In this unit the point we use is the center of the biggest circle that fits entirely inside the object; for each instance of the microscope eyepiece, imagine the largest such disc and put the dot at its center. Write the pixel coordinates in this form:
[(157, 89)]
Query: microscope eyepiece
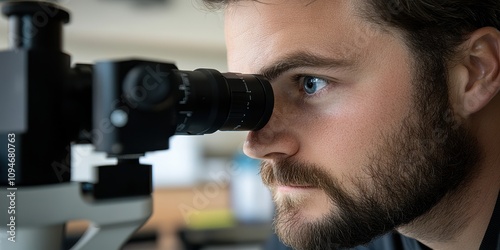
[(211, 101)]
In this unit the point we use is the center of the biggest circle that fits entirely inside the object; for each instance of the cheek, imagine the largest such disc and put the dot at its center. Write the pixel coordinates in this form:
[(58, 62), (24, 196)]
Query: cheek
[(344, 134), (339, 143)]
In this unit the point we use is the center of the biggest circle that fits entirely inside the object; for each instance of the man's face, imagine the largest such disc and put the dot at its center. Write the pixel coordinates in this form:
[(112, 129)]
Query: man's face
[(346, 152)]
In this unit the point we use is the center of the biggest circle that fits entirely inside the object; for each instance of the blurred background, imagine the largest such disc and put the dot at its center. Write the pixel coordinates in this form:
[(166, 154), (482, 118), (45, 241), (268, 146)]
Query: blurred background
[(207, 194)]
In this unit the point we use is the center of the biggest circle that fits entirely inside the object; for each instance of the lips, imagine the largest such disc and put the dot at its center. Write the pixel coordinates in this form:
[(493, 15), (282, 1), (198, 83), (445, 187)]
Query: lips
[(290, 186), (297, 185)]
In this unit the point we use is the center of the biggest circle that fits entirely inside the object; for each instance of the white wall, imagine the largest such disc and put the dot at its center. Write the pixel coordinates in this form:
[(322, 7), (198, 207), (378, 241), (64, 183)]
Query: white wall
[(182, 31)]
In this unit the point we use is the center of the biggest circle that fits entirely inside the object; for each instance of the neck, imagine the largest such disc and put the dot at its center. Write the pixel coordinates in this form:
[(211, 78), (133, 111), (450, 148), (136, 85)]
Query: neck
[(460, 219)]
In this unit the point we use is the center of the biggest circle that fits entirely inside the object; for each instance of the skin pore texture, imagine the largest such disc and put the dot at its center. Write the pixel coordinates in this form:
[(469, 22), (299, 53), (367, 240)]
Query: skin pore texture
[(355, 148)]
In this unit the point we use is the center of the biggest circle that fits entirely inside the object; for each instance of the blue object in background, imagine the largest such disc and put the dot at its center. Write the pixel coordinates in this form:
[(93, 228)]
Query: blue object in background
[(250, 199)]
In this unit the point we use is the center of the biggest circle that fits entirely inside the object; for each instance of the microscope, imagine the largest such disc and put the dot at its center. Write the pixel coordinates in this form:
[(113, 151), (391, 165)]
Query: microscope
[(123, 108)]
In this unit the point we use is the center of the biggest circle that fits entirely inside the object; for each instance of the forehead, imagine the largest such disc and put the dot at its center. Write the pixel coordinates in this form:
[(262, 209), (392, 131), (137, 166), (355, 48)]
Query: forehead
[(258, 32)]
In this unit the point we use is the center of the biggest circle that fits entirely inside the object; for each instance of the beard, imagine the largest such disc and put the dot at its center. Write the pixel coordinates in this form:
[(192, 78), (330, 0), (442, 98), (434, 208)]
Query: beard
[(429, 157)]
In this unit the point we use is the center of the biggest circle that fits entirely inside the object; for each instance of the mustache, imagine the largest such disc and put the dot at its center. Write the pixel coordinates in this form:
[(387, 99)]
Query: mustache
[(292, 172)]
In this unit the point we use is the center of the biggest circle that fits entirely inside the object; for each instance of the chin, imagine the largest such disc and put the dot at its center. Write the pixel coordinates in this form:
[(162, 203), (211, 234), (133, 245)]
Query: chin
[(304, 208)]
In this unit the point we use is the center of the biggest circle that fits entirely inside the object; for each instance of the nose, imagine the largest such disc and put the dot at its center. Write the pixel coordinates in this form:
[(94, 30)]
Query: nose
[(276, 139)]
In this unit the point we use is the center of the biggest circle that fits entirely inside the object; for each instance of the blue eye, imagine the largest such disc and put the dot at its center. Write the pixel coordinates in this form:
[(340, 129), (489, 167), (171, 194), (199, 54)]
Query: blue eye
[(313, 84)]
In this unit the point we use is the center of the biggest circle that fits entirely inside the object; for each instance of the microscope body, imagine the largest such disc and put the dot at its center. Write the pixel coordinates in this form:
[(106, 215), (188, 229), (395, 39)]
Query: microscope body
[(123, 108)]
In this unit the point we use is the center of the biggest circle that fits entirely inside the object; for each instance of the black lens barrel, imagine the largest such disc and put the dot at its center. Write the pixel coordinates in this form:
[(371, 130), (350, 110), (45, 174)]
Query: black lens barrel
[(252, 102), (212, 101)]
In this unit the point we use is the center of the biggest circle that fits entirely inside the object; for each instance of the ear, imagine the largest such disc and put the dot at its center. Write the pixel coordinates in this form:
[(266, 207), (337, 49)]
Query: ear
[(482, 63), (481, 81)]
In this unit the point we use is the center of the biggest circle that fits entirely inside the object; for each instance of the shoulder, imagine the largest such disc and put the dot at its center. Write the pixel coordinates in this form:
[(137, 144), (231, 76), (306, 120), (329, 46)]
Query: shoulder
[(390, 241)]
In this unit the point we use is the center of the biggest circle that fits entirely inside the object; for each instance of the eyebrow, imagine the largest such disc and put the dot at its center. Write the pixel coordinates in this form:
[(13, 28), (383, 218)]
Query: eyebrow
[(299, 60)]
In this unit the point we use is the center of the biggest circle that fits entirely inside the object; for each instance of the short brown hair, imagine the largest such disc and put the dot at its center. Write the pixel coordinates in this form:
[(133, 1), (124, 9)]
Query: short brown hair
[(433, 30), (435, 26)]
